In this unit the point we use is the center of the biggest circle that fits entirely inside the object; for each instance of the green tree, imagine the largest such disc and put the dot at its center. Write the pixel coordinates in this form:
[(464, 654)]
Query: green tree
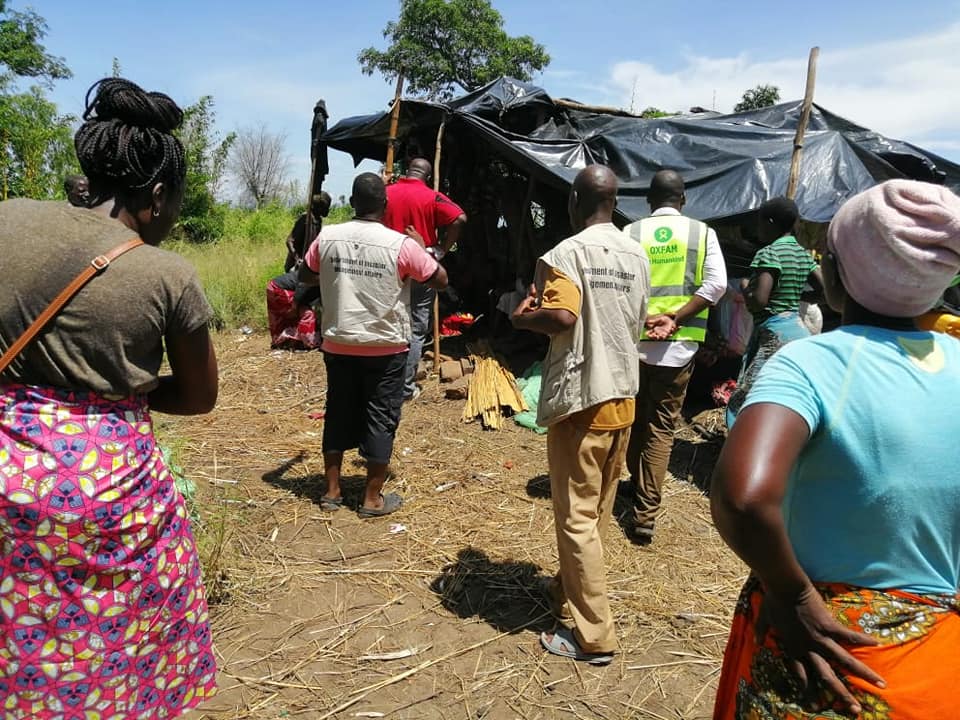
[(440, 45), (758, 97), (652, 113), (21, 50), (202, 217), (36, 145)]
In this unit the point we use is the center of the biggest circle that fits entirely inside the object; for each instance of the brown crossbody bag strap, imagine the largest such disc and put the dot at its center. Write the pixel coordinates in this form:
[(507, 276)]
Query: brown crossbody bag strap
[(96, 266)]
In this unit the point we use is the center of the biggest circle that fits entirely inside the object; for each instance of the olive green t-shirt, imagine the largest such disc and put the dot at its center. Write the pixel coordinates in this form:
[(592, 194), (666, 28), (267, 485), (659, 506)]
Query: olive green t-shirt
[(109, 338)]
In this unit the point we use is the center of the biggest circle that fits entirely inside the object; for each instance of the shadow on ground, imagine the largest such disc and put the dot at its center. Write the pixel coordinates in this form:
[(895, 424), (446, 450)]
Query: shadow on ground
[(313, 487), (690, 462), (693, 462), (539, 487), (507, 594)]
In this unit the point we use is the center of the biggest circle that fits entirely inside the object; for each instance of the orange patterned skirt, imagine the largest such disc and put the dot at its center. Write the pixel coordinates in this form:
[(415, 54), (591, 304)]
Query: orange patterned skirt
[(918, 657)]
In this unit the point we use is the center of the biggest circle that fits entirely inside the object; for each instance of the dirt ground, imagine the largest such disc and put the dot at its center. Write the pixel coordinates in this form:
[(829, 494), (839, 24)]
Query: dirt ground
[(321, 615)]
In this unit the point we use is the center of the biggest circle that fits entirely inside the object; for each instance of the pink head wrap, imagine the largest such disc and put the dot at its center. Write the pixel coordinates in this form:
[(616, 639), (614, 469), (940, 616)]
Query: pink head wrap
[(898, 246)]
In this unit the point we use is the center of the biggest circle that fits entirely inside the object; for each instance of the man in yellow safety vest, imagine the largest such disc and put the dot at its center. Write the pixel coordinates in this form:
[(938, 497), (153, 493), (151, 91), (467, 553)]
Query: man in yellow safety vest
[(687, 276)]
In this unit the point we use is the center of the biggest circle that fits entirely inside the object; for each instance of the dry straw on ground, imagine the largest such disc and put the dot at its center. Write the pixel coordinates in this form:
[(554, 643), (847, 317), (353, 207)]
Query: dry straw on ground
[(434, 611)]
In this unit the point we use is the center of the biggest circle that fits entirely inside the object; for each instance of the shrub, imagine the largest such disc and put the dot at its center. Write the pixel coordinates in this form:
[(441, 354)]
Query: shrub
[(236, 268), (203, 228), (269, 224), (339, 214)]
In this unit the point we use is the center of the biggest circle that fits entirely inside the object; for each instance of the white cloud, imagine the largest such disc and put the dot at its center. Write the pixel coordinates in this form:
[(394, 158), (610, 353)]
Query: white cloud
[(905, 88)]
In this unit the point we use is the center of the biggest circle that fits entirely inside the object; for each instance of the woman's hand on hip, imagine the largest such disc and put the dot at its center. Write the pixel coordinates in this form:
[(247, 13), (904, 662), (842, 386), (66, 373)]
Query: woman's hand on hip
[(814, 641)]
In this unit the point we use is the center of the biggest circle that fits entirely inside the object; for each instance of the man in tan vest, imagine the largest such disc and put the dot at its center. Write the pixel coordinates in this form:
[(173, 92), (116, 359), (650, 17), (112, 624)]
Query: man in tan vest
[(590, 297), (365, 270)]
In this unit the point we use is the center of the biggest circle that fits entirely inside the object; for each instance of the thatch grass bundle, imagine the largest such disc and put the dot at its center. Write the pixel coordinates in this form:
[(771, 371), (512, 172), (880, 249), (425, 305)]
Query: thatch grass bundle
[(493, 391)]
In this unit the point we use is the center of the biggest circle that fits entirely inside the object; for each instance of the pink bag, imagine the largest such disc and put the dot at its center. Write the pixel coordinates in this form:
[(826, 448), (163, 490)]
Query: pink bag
[(736, 322)]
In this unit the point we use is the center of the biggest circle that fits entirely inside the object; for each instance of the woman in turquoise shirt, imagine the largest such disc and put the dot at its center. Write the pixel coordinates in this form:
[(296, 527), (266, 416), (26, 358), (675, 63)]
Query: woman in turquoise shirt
[(838, 486)]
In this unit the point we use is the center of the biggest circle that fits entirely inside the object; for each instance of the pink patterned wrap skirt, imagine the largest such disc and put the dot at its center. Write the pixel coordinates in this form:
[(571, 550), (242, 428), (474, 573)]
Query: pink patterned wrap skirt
[(102, 609)]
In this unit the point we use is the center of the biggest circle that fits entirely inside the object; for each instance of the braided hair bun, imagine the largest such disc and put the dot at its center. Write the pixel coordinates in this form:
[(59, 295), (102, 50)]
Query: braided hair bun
[(126, 142)]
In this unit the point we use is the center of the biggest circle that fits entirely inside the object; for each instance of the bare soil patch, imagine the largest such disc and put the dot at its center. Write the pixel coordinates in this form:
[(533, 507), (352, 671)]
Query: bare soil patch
[(323, 614)]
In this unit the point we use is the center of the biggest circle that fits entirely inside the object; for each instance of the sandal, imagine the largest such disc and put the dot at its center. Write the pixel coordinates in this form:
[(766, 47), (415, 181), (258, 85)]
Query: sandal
[(563, 643), (331, 504), (391, 503)]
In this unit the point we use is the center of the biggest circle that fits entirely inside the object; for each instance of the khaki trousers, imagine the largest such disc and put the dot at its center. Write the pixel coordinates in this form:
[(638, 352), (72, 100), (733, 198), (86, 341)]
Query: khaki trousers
[(585, 468), (659, 401)]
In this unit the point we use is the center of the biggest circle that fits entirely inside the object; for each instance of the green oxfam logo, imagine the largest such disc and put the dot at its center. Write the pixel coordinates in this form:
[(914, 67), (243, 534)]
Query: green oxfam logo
[(663, 234)]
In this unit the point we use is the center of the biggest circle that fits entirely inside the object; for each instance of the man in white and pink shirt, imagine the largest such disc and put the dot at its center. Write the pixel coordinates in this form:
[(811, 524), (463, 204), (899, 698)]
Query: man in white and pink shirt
[(365, 271)]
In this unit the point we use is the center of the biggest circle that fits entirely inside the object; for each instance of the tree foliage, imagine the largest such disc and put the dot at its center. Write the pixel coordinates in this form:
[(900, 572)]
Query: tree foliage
[(651, 113), (260, 165), (21, 50), (758, 97), (440, 45), (36, 145), (202, 218)]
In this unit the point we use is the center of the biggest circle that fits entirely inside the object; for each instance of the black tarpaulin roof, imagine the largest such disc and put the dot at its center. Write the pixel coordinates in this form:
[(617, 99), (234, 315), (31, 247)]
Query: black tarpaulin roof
[(730, 163)]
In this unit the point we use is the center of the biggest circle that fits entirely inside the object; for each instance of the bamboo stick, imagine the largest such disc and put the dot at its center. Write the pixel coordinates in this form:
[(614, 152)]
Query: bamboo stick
[(436, 297), (802, 124), (394, 124), (601, 109)]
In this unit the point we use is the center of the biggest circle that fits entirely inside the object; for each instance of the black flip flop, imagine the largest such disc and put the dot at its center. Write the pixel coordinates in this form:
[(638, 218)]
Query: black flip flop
[(391, 503), (331, 504)]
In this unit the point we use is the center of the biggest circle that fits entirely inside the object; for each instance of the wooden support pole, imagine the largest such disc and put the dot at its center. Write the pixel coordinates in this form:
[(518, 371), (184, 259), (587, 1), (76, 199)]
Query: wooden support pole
[(308, 230), (436, 298), (394, 124), (601, 109), (802, 124)]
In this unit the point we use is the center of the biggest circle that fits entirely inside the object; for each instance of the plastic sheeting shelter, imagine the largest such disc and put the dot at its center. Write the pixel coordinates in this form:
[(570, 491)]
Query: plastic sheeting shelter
[(730, 163)]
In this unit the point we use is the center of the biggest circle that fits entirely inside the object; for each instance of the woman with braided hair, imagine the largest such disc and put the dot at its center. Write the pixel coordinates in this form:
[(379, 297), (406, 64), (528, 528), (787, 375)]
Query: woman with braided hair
[(102, 610)]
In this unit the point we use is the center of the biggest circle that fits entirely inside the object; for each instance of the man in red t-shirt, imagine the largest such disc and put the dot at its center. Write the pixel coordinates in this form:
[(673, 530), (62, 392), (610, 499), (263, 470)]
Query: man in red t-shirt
[(411, 203)]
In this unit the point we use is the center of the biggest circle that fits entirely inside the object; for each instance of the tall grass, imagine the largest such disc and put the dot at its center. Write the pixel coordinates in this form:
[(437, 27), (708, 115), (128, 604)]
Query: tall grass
[(213, 519), (236, 268), (234, 271)]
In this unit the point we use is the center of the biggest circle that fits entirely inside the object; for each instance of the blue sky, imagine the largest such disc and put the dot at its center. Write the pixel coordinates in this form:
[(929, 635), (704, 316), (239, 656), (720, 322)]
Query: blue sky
[(884, 64)]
